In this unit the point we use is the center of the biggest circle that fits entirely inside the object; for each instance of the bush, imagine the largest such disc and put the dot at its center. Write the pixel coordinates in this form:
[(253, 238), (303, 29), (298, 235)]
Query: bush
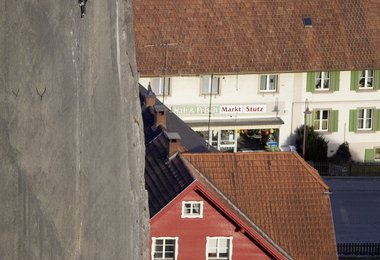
[(343, 154), (316, 145)]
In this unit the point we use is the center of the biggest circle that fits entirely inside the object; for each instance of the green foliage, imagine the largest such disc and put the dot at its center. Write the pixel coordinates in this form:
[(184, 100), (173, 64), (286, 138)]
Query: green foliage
[(316, 145)]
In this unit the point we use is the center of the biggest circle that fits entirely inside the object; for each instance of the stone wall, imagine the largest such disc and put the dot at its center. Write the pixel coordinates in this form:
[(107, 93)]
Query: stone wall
[(71, 141)]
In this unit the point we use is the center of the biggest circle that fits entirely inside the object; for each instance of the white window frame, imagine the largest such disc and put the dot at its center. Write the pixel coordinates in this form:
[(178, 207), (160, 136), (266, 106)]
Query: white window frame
[(365, 78), (268, 83), (365, 119), (376, 151), (321, 120), (192, 214), (218, 257), (154, 239), (321, 78), (158, 86), (210, 89)]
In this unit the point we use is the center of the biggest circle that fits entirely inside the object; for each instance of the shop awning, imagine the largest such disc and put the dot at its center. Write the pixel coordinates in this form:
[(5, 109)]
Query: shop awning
[(249, 121)]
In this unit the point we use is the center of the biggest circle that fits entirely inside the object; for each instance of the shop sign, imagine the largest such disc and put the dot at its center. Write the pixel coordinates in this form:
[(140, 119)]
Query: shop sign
[(250, 109), (194, 109), (219, 109)]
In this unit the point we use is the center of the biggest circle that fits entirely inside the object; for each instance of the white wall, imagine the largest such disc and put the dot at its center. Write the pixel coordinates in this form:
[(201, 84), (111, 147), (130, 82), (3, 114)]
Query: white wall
[(342, 100), (234, 90)]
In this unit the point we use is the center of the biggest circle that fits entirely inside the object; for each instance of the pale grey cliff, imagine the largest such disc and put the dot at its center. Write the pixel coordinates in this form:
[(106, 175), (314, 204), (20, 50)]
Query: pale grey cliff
[(71, 144)]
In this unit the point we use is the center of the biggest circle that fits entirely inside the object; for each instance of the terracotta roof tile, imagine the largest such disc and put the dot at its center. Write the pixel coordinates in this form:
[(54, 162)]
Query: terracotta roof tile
[(227, 36), (282, 194)]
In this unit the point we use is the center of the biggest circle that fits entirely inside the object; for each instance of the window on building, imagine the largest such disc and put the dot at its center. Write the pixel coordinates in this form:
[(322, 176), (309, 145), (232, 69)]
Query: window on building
[(366, 79), (365, 119), (210, 85), (268, 83), (219, 248), (165, 248), (321, 120), (322, 80), (192, 209), (161, 86), (377, 153)]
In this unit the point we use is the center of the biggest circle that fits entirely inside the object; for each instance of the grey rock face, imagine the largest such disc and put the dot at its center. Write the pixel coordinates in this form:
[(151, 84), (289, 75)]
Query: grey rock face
[(71, 144)]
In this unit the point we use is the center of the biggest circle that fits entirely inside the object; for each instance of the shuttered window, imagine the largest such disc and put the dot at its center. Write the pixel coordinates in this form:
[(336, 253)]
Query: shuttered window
[(322, 81), (365, 79), (325, 120), (364, 119)]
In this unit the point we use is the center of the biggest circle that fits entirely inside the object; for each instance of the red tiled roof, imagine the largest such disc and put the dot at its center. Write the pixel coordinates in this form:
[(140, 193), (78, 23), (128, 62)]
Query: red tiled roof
[(236, 36), (280, 193)]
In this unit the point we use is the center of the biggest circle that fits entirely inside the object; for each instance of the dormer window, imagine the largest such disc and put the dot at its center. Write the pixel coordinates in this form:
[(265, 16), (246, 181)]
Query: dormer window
[(192, 209)]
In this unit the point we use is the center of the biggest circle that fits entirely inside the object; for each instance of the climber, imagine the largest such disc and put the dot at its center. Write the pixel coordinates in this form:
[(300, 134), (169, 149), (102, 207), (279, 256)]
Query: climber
[(82, 4)]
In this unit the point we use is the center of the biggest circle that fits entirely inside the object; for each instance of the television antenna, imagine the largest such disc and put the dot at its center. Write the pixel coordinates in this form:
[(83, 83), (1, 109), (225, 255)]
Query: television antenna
[(164, 45)]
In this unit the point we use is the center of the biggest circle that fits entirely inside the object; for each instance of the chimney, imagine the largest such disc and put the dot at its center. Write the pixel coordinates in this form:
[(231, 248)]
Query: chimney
[(160, 115), (150, 99), (174, 143)]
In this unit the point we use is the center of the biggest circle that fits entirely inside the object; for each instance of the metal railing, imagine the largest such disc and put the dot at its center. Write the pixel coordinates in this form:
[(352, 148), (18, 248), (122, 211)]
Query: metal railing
[(358, 249), (347, 169)]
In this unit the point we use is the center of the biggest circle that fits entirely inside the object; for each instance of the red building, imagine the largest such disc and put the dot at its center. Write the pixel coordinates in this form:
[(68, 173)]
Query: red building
[(196, 225)]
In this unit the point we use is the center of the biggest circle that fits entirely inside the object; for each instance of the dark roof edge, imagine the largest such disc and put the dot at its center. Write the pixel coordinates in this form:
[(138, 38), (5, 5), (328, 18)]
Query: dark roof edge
[(256, 228), (231, 73), (169, 204)]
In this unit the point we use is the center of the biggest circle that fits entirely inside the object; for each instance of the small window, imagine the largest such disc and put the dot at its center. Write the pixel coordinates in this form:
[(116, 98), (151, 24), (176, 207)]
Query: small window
[(307, 22), (268, 83), (377, 153), (161, 86), (192, 209), (219, 248), (322, 80), (321, 120), (165, 248), (365, 119), (366, 79), (210, 85)]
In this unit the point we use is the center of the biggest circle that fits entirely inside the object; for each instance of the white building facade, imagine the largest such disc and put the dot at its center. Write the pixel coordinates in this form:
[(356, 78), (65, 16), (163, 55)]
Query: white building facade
[(261, 111)]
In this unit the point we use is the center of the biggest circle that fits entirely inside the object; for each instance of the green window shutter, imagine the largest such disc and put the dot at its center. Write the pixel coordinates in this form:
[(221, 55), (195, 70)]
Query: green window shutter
[(377, 119), (333, 120), (377, 79), (335, 78), (310, 82), (309, 119), (369, 155), (353, 124), (355, 80)]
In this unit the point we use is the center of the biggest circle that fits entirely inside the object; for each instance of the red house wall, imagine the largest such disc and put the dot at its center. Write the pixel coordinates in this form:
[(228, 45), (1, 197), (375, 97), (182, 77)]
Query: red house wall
[(192, 232)]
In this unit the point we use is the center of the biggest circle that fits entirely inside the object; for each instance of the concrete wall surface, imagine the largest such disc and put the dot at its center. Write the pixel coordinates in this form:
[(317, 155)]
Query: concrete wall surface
[(71, 144)]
